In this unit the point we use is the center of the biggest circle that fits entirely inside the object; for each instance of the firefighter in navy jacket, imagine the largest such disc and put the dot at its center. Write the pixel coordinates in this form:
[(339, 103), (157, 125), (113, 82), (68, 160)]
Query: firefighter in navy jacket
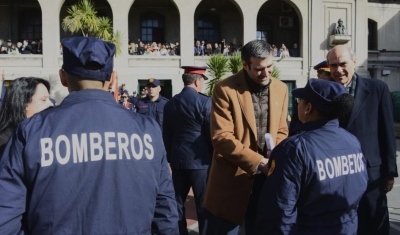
[(317, 177), (153, 104), (187, 139), (78, 168)]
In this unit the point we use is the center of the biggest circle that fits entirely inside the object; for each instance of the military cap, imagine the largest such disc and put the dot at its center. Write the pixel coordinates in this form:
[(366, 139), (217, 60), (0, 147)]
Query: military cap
[(89, 58), (196, 70), (320, 93), (153, 81), (323, 66)]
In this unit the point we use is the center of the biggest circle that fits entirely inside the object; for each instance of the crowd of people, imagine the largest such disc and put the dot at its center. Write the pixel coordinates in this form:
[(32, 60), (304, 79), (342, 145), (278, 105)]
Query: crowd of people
[(155, 49), (92, 166), (203, 48), (24, 47)]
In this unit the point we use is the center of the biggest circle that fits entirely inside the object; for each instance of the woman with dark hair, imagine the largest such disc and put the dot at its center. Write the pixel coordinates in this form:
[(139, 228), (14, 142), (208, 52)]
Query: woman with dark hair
[(24, 97), (317, 177)]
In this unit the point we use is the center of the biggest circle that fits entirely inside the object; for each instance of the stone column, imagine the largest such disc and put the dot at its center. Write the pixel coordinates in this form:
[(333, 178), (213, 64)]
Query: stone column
[(120, 10), (187, 10), (249, 16), (51, 32), (360, 45)]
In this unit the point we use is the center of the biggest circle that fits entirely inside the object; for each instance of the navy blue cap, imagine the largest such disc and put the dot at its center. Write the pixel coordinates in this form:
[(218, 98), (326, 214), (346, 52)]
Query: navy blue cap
[(153, 81), (323, 65), (81, 52), (320, 93)]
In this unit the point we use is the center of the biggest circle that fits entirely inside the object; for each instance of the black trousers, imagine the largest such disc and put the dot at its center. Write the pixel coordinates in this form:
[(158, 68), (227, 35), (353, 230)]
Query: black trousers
[(184, 179), (373, 215), (252, 208)]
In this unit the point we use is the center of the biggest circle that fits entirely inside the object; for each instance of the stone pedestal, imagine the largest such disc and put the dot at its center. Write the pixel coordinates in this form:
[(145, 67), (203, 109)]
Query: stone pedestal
[(339, 39)]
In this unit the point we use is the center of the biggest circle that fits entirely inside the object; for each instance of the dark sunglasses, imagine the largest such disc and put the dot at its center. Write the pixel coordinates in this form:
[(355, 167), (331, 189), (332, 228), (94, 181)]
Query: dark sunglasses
[(124, 96)]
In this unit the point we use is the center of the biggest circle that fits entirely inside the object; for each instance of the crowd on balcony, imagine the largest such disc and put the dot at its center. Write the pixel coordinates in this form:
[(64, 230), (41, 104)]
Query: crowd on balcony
[(24, 47), (154, 49)]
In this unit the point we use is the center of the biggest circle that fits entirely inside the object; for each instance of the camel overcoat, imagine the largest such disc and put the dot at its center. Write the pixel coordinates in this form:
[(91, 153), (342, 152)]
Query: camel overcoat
[(234, 136)]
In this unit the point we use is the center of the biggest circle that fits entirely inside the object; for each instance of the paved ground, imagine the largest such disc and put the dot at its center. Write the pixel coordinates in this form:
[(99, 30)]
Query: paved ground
[(393, 201)]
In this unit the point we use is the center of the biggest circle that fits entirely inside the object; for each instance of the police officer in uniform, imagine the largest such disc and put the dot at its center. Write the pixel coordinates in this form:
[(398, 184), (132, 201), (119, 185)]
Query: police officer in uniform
[(323, 70), (316, 178), (153, 104), (66, 170), (187, 139)]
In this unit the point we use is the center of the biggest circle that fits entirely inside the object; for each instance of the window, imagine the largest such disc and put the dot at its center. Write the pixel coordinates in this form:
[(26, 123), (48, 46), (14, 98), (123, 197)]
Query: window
[(208, 28), (30, 24), (264, 28), (372, 35), (152, 28)]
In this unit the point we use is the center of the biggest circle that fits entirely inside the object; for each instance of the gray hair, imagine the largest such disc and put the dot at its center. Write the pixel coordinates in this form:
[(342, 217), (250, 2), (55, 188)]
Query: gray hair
[(189, 78), (256, 48)]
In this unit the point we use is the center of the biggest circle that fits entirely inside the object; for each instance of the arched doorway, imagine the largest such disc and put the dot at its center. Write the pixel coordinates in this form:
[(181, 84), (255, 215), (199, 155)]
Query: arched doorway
[(21, 20), (153, 21), (279, 23), (218, 22), (102, 7)]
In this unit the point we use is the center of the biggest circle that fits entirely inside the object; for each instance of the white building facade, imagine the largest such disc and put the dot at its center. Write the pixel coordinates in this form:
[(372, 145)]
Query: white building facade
[(373, 32)]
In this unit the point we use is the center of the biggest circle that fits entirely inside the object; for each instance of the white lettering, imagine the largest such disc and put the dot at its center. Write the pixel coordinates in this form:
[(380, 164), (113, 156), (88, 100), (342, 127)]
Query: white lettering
[(345, 166), (149, 152), (321, 170), (123, 143), (109, 144), (337, 166), (63, 160), (46, 145), (95, 144), (79, 148), (360, 166), (136, 155), (351, 163), (329, 168)]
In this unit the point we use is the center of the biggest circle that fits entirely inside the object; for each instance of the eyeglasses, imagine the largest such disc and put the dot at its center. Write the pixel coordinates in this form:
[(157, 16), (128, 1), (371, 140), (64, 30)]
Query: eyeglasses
[(124, 96)]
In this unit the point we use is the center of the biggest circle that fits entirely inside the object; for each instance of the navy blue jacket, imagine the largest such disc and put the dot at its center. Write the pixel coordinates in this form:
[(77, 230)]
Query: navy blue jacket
[(152, 109), (186, 130), (371, 121), (315, 182), (79, 168)]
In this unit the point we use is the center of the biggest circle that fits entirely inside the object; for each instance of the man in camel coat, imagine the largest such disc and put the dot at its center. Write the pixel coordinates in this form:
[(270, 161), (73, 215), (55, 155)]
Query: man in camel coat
[(245, 107)]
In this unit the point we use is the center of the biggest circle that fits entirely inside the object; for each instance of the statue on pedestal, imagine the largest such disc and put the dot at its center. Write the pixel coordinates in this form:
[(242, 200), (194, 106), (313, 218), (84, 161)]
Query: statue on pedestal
[(340, 29)]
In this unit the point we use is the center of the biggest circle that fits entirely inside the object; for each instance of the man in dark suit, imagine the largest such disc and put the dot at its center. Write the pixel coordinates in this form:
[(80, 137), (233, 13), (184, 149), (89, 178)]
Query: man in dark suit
[(371, 121), (187, 140)]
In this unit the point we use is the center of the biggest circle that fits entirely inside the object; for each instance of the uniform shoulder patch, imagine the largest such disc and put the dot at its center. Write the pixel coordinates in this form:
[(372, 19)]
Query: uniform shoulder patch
[(271, 168)]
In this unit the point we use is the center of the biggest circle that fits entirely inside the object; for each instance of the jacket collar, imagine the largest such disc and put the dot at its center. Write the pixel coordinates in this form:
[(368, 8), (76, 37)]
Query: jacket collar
[(313, 125), (89, 94)]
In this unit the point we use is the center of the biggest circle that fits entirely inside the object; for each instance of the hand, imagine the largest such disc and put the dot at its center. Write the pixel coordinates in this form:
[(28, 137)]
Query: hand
[(389, 182), (263, 166)]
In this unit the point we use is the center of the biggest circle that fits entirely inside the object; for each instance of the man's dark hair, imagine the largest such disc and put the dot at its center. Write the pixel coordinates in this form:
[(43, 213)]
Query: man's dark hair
[(189, 78), (255, 48), (341, 106), (18, 96)]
